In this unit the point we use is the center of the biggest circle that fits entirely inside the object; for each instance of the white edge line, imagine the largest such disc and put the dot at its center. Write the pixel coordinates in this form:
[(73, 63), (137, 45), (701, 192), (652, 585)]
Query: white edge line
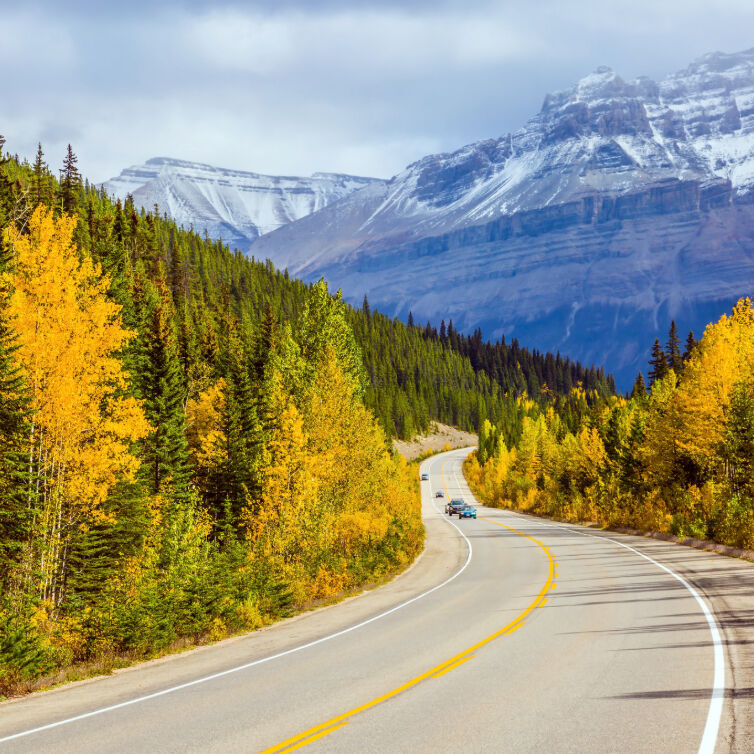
[(247, 665), (714, 714)]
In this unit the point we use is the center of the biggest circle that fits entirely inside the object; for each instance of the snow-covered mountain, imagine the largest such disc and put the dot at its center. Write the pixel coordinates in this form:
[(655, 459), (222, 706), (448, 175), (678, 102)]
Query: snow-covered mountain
[(234, 205), (619, 205)]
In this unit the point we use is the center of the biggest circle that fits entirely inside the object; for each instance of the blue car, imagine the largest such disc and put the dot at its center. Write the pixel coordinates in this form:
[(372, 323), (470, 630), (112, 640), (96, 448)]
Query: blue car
[(467, 511)]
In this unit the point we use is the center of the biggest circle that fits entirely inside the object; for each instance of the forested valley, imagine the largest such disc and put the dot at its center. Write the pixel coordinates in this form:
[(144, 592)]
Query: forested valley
[(676, 456), (194, 444)]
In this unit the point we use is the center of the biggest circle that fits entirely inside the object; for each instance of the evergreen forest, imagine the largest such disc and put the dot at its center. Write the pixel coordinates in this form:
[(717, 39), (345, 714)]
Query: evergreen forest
[(194, 444)]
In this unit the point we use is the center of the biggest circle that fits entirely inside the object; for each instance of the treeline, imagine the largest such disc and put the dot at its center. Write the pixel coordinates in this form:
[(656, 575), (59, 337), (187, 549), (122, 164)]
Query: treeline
[(516, 369), (678, 458), (185, 450), (415, 374), (418, 374)]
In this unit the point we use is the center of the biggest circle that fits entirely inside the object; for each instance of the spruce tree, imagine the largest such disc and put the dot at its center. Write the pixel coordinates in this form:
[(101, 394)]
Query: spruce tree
[(690, 344), (673, 349), (70, 182), (16, 498), (159, 382), (41, 187), (658, 363), (639, 390)]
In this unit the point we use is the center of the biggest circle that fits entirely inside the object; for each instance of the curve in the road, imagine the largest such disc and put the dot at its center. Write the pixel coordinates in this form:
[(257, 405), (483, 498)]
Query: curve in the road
[(330, 726), (712, 724), (246, 666)]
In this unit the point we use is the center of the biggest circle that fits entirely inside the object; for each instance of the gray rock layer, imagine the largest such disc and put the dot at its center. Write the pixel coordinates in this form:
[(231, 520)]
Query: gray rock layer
[(619, 206)]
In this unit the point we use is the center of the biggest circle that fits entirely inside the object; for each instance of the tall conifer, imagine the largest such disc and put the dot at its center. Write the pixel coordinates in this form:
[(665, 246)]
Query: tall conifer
[(673, 349), (658, 363), (159, 383), (70, 182), (690, 344), (16, 501)]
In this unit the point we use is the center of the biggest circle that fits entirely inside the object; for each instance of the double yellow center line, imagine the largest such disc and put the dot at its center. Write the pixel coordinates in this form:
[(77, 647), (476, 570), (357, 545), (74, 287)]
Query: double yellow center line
[(324, 729)]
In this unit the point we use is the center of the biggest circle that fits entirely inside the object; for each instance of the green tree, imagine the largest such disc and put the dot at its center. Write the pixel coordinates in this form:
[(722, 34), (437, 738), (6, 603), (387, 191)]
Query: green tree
[(639, 390), (673, 349), (658, 363), (159, 383), (17, 501), (690, 344), (70, 182)]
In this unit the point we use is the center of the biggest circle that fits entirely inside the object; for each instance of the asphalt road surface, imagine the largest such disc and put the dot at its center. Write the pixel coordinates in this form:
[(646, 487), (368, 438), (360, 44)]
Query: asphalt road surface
[(510, 633)]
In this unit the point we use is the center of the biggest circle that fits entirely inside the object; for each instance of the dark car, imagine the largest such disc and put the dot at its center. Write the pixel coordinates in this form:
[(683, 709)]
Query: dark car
[(454, 505), (439, 493), (425, 477), (467, 511)]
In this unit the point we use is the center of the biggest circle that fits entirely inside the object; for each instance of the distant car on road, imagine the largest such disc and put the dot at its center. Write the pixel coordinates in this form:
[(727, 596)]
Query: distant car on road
[(425, 477), (439, 493), (454, 505), (467, 511)]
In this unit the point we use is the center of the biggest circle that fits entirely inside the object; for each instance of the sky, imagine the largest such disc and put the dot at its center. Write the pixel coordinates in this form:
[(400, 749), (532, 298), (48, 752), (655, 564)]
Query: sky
[(294, 87)]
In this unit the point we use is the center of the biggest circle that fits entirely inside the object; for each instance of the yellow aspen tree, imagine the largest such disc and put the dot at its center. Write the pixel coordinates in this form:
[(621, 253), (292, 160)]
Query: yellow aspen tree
[(281, 523), (70, 334), (343, 435)]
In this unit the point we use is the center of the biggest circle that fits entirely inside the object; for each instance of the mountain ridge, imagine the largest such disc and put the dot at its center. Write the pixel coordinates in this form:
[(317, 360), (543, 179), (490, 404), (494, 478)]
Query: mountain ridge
[(594, 218), (235, 205)]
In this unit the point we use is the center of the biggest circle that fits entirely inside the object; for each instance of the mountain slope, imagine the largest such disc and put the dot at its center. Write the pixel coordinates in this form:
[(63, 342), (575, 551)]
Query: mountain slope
[(234, 205), (618, 206)]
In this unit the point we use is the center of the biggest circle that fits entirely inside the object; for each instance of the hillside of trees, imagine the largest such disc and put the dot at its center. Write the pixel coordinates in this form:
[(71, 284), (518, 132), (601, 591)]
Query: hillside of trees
[(171, 469), (677, 457), (193, 443)]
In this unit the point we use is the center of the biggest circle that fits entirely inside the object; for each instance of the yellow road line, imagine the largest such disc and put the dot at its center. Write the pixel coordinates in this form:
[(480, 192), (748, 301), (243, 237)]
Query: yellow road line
[(302, 739), (515, 628), (311, 739), (452, 667)]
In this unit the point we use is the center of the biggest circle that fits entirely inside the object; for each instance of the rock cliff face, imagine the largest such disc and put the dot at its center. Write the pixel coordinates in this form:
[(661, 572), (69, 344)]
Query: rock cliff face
[(234, 205), (619, 206)]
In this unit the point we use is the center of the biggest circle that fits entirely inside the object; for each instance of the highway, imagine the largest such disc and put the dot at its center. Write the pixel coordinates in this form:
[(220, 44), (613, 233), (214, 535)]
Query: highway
[(510, 633)]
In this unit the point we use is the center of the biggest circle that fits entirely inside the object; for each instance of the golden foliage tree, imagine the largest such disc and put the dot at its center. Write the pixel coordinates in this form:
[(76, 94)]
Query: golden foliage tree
[(70, 336)]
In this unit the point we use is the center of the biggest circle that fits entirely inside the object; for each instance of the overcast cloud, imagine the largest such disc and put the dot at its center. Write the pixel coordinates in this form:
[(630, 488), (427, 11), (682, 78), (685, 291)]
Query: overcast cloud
[(360, 86)]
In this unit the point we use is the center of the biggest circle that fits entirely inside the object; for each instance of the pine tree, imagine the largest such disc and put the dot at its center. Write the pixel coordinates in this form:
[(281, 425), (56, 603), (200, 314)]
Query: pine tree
[(16, 501), (42, 190), (673, 349), (690, 343), (658, 363), (70, 182), (159, 382), (639, 390)]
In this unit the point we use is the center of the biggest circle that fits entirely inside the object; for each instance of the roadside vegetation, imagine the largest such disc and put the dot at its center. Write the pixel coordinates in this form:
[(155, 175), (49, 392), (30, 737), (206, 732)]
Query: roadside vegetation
[(192, 443), (677, 458)]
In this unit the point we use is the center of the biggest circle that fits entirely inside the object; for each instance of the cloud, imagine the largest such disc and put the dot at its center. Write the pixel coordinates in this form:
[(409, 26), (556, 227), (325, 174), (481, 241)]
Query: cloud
[(296, 86)]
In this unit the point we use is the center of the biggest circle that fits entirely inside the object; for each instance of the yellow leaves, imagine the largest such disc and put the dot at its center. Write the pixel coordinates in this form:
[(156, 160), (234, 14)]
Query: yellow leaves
[(592, 455), (203, 430), (331, 493), (69, 337), (690, 419), (360, 529)]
